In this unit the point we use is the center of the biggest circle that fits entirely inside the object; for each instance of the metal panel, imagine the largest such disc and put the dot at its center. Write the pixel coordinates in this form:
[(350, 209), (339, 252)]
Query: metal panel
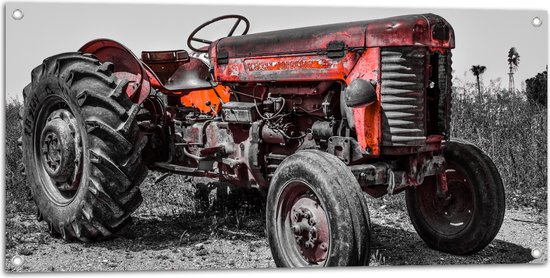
[(403, 96), (445, 93)]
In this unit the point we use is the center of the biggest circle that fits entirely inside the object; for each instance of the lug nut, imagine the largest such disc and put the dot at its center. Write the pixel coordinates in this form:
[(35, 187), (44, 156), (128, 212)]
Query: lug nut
[(296, 229), (296, 215), (313, 234)]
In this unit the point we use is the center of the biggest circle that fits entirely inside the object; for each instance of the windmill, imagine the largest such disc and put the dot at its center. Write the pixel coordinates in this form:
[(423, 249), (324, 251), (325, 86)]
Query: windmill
[(513, 63)]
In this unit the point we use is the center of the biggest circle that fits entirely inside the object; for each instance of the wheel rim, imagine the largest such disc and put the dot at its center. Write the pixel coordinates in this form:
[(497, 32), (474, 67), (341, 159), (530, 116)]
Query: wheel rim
[(302, 225), (451, 214), (58, 150)]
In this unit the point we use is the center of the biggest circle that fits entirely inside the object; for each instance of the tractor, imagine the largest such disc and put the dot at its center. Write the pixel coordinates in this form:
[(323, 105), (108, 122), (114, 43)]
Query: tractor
[(318, 118)]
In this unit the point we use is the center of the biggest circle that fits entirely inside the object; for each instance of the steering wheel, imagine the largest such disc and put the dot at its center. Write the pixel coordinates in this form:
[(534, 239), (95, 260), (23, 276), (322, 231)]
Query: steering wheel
[(192, 37)]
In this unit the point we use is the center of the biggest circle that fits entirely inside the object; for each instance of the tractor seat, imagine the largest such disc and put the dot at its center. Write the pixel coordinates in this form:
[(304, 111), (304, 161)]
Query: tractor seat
[(176, 70)]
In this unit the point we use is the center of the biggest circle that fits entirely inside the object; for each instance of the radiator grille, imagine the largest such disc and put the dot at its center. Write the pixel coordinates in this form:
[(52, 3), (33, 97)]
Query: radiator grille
[(445, 90), (403, 96)]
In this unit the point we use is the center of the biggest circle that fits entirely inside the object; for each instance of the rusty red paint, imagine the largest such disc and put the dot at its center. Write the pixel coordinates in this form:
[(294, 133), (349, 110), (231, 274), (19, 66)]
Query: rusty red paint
[(407, 31), (401, 30), (261, 65), (293, 41), (434, 139), (198, 99), (153, 79), (443, 182), (125, 65), (285, 68), (367, 119)]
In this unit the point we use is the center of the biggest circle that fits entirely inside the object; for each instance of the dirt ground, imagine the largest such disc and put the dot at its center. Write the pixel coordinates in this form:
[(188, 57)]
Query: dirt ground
[(167, 238)]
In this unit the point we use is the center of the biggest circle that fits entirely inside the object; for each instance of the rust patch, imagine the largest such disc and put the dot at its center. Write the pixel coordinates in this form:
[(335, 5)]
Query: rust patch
[(367, 119), (289, 65)]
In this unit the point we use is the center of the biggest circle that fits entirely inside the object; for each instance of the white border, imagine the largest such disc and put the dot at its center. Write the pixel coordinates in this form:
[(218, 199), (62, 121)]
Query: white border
[(524, 271)]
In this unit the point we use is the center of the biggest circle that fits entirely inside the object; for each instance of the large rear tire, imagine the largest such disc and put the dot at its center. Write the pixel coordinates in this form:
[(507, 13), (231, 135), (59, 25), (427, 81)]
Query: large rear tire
[(469, 217), (81, 147), (316, 213)]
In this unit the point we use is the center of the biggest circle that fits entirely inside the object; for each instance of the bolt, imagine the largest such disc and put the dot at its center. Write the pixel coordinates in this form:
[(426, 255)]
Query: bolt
[(309, 244), (313, 234), (312, 221), (295, 215)]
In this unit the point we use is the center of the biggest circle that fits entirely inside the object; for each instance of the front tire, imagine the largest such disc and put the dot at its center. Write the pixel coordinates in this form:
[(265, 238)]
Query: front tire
[(469, 217), (81, 147), (316, 213)]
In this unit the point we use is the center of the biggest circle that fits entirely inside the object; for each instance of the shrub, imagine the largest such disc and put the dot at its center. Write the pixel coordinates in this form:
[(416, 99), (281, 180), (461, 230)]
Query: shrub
[(13, 132), (536, 88), (17, 192), (512, 131)]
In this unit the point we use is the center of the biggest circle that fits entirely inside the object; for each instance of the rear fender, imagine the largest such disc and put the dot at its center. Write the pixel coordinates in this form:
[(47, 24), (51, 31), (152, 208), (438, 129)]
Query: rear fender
[(125, 66)]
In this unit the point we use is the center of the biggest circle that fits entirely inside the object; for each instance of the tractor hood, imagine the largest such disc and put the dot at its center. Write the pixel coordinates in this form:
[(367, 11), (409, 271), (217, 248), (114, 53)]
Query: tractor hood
[(424, 29)]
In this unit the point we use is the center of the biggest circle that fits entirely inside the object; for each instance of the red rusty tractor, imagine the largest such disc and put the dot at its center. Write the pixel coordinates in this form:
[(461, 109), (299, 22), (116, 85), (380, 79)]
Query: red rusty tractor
[(314, 116)]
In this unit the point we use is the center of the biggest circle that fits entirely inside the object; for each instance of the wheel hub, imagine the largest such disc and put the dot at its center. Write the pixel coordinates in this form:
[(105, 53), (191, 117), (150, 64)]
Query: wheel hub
[(310, 229), (60, 151), (451, 212), (457, 205)]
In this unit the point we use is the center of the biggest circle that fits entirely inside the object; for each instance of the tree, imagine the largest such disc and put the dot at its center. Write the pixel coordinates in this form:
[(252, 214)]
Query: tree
[(513, 63), (477, 71), (536, 87)]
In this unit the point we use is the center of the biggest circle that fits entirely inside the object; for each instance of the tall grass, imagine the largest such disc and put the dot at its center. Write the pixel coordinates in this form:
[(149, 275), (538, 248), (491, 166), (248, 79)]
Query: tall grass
[(13, 131), (17, 192), (512, 131)]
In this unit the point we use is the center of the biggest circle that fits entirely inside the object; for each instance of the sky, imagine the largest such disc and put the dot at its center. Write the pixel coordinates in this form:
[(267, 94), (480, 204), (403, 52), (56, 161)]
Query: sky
[(483, 37)]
